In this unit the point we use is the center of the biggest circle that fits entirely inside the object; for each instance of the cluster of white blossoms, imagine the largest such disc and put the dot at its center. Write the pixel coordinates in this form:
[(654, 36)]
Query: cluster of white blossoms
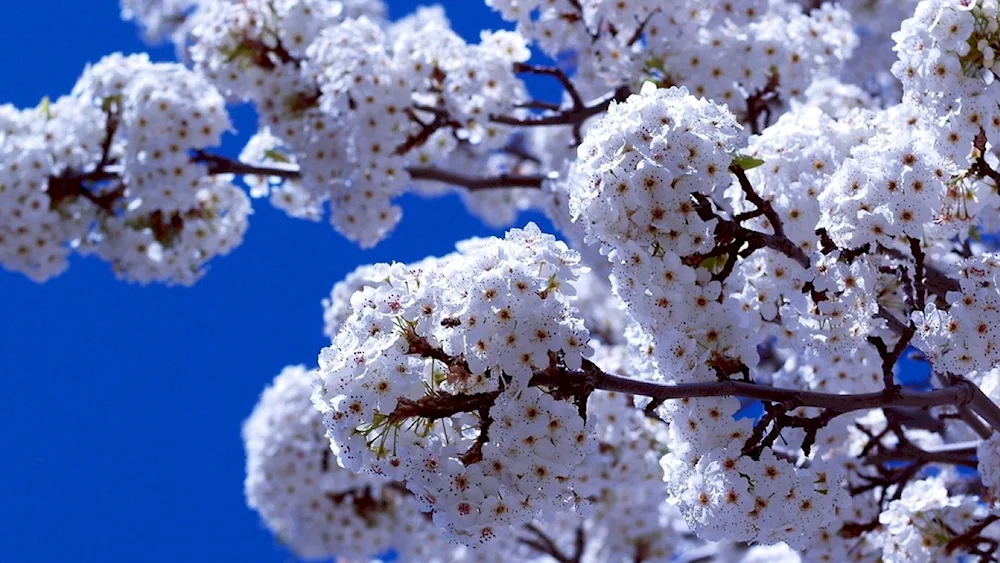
[(647, 163), (33, 232), (480, 322), (654, 165), (317, 509), (799, 152), (919, 525), (624, 507), (356, 103), (158, 18), (725, 494), (890, 187), (354, 111), (988, 453), (774, 48), (337, 308), (963, 339), (947, 65), (109, 170), (726, 50)]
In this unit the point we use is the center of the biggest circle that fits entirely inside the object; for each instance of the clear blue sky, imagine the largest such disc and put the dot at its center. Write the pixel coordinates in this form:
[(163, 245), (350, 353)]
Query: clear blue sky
[(120, 405)]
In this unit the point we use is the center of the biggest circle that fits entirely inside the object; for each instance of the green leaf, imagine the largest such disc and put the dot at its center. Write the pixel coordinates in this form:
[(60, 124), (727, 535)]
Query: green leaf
[(110, 103), (655, 63), (746, 162), (975, 235), (276, 156), (712, 263), (46, 108)]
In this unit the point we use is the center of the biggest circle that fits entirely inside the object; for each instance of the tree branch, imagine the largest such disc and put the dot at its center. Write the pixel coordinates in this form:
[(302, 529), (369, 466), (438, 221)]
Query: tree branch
[(542, 543), (573, 116), (727, 231), (971, 537), (956, 394), (221, 165), (581, 382), (475, 183), (961, 453), (763, 205), (418, 139), (920, 292), (558, 74)]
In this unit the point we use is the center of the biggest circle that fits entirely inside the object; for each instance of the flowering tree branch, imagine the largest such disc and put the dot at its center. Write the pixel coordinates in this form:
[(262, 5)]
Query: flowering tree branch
[(582, 382), (960, 453), (762, 205), (761, 104), (71, 185), (574, 116), (731, 235), (558, 74), (972, 538), (221, 165), (476, 183)]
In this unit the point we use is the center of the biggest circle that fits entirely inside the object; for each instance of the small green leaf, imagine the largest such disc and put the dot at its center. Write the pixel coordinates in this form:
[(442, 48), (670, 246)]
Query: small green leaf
[(746, 162), (276, 156), (110, 103), (655, 63), (713, 262), (975, 235), (46, 108)]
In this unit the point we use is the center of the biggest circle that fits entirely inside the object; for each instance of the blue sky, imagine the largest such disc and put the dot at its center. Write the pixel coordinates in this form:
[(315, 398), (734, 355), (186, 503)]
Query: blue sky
[(120, 405)]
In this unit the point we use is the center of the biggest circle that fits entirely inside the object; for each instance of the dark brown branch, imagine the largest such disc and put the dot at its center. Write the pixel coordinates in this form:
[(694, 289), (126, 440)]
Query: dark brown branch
[(920, 292), (441, 405), (983, 406), (558, 74), (418, 139), (747, 215), (112, 109), (520, 153), (960, 393), (759, 202), (971, 537), (568, 382), (546, 545), (539, 104), (641, 28), (475, 452), (965, 413), (221, 165), (572, 116), (474, 183), (963, 453), (892, 322), (727, 231), (898, 477), (579, 544), (915, 418), (982, 168), (890, 357), (68, 187), (759, 104)]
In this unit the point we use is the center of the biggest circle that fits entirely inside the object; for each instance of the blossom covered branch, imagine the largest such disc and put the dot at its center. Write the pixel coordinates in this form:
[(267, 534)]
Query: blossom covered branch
[(777, 205)]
